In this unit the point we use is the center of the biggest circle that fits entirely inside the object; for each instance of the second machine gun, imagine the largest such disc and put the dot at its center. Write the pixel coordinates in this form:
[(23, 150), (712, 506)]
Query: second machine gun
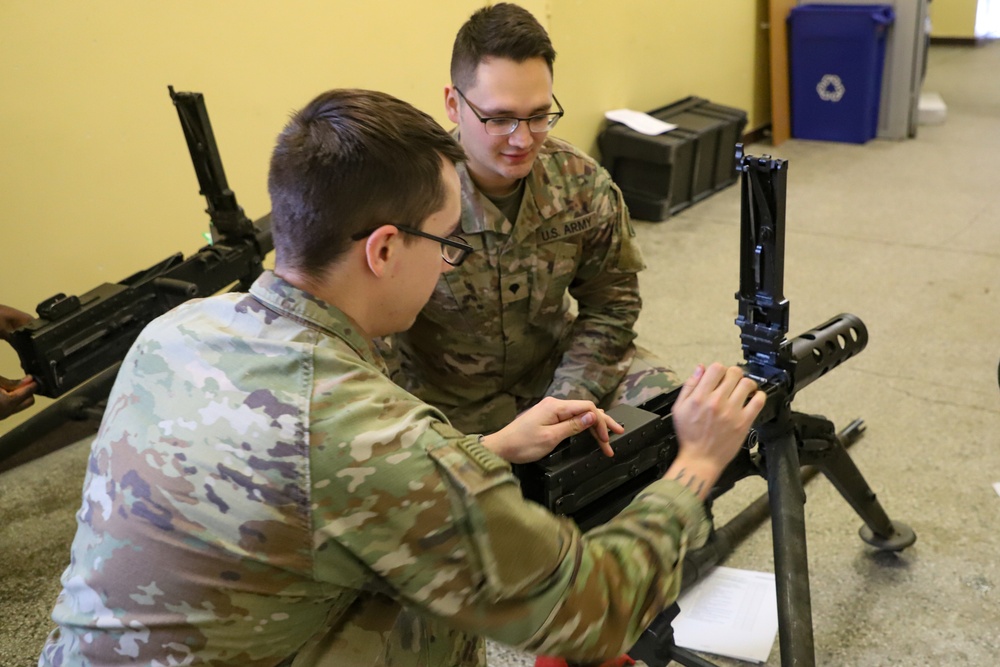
[(77, 342), (579, 481)]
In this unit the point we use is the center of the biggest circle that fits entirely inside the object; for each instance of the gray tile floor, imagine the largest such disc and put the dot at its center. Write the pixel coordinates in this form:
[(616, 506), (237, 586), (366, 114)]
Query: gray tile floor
[(906, 235)]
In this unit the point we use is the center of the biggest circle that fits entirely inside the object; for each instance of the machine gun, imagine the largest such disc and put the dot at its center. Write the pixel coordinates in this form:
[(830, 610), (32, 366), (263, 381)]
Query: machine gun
[(578, 481), (82, 339)]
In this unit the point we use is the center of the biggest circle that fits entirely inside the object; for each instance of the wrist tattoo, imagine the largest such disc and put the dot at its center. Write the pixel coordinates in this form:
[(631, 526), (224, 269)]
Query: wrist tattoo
[(692, 482)]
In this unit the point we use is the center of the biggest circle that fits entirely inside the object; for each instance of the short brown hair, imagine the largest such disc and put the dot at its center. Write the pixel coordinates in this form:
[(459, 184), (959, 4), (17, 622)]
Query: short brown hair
[(352, 159), (503, 30)]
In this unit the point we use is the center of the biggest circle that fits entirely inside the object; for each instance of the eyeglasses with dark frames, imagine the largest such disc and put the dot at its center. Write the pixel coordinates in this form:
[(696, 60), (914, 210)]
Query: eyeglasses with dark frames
[(500, 126), (454, 249)]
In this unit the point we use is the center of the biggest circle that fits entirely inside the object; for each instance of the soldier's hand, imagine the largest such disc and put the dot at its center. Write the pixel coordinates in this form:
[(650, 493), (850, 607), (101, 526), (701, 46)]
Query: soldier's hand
[(538, 430), (10, 319), (16, 395), (712, 415)]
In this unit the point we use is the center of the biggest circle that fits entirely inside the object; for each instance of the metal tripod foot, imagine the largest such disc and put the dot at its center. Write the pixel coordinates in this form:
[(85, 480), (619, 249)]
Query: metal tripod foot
[(902, 537)]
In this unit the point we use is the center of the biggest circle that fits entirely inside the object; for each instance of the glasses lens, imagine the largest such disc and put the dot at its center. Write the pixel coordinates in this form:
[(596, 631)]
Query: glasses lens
[(543, 123), (501, 126), (451, 254)]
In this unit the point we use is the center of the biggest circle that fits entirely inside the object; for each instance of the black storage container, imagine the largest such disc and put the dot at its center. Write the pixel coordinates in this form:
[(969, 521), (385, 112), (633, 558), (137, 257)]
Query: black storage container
[(663, 174)]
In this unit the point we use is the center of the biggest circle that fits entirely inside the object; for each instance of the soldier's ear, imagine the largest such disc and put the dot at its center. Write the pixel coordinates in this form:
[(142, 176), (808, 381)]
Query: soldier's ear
[(380, 249), (451, 105)]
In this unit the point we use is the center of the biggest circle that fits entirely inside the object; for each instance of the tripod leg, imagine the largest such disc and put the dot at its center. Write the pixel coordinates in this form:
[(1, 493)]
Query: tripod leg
[(791, 565), (821, 448)]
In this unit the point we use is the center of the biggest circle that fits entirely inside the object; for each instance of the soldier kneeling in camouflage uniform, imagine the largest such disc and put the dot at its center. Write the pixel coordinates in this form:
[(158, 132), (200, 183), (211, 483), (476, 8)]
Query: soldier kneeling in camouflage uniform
[(261, 494), (551, 231)]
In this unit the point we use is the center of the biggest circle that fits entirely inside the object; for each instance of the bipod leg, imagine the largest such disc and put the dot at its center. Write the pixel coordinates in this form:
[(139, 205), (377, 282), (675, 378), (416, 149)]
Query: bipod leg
[(821, 448), (788, 526)]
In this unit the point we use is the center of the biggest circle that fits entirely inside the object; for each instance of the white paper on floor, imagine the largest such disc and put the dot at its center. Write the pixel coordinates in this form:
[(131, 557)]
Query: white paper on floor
[(730, 612)]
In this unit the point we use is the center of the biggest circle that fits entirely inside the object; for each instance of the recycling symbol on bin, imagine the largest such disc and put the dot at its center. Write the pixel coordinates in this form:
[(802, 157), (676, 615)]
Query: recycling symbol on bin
[(830, 88)]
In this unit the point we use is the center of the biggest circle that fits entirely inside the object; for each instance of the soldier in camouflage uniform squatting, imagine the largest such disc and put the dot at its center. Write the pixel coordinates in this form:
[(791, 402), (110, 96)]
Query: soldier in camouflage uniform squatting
[(260, 492), (547, 223)]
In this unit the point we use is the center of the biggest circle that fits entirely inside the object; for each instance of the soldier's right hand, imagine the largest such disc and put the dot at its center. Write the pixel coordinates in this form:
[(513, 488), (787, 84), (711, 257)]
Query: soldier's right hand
[(712, 415)]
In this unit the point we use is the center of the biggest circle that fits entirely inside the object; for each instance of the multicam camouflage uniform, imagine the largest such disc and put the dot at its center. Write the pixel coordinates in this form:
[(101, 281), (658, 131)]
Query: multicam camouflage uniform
[(498, 334), (259, 490)]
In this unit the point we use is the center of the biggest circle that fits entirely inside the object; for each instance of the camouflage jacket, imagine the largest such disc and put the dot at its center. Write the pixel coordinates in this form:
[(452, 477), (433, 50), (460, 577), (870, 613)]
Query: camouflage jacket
[(499, 328), (260, 493)]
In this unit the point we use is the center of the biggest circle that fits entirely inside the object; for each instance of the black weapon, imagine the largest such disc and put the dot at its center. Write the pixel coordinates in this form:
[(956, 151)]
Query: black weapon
[(577, 480), (77, 339)]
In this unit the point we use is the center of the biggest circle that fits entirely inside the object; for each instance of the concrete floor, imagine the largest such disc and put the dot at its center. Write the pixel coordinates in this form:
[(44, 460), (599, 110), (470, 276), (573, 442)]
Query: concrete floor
[(905, 235)]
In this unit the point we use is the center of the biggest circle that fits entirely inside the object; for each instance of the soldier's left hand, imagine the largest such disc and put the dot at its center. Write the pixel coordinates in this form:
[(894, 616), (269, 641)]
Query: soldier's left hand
[(538, 430)]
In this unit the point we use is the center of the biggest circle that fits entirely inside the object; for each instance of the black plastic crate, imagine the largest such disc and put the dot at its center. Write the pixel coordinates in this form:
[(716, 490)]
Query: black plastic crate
[(663, 174)]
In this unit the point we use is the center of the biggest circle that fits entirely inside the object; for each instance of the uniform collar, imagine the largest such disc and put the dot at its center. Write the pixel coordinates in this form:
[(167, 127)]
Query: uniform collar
[(314, 313), (480, 215)]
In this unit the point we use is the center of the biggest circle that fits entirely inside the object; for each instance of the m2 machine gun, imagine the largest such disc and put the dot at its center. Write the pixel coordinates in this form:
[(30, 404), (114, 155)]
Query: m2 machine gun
[(577, 480), (81, 340)]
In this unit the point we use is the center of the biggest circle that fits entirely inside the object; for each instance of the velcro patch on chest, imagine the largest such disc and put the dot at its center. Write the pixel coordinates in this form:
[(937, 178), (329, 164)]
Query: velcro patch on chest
[(514, 287)]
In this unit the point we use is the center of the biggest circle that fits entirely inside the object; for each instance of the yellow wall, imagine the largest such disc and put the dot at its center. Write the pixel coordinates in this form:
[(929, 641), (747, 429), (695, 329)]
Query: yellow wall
[(96, 179), (953, 18), (642, 54)]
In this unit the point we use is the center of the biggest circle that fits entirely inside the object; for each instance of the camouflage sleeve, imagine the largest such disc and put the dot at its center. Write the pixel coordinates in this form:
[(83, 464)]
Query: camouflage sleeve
[(606, 289), (440, 524), (551, 590)]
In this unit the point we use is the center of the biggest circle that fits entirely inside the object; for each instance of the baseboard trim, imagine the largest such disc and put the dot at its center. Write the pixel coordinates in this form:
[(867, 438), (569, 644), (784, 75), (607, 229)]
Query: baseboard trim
[(758, 135), (959, 41)]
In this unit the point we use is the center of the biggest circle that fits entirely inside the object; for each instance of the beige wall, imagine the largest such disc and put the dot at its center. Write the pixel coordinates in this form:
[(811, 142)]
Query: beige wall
[(96, 179), (642, 54), (953, 18)]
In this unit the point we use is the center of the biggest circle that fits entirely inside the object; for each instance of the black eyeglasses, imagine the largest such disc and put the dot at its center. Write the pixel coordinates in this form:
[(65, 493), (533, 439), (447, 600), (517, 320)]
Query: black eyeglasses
[(454, 249), (500, 126)]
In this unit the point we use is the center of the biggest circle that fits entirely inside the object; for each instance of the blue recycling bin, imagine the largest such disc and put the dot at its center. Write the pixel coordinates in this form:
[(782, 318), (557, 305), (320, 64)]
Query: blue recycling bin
[(836, 55)]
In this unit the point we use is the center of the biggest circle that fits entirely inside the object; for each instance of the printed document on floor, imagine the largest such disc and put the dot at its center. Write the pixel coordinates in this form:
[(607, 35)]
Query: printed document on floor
[(730, 612)]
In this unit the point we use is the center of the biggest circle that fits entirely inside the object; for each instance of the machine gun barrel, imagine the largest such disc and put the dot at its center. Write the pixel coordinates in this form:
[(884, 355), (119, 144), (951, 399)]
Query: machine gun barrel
[(821, 349), (811, 355)]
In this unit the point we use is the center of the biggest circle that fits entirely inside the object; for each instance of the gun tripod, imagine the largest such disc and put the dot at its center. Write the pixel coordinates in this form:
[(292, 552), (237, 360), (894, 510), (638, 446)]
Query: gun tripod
[(785, 443), (579, 482), (786, 440)]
